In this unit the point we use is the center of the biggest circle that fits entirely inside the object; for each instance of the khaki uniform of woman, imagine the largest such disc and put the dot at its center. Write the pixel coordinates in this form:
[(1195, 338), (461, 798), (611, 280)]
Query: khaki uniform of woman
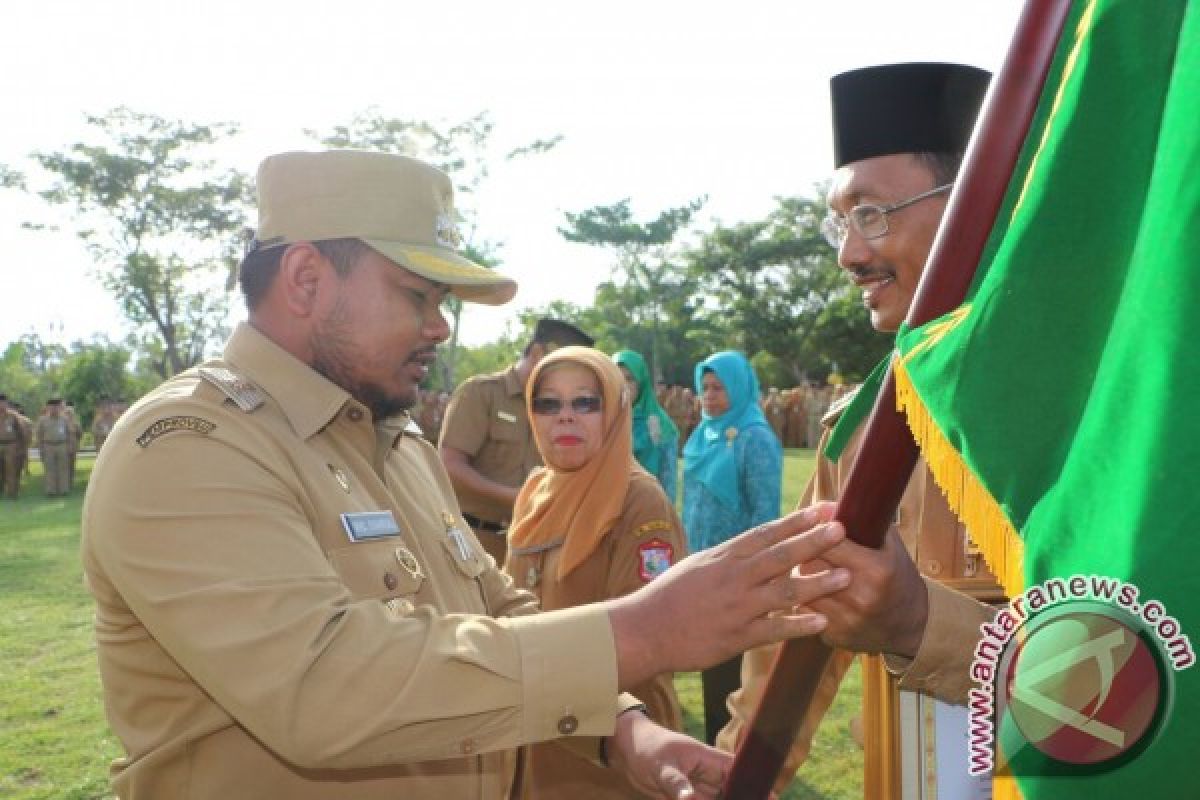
[(600, 530)]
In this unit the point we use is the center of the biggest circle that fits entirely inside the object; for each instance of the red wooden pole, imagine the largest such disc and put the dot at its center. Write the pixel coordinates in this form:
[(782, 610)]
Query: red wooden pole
[(888, 453)]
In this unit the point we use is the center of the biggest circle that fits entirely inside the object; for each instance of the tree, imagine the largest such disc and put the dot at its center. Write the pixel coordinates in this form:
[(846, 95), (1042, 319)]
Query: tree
[(159, 221), (464, 151), (643, 263), (95, 371), (773, 286)]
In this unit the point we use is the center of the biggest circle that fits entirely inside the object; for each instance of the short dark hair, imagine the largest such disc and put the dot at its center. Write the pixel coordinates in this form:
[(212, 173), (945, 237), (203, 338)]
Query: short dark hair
[(943, 166), (259, 267), (555, 331)]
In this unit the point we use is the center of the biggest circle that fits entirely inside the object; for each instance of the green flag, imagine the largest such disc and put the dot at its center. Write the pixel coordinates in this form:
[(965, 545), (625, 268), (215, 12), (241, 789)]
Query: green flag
[(1059, 407)]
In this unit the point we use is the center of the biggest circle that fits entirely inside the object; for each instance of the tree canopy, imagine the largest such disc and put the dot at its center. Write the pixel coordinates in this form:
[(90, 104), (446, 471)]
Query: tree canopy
[(161, 223)]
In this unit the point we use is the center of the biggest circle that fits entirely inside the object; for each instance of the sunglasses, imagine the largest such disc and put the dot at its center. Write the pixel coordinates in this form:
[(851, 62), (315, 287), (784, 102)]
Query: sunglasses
[(584, 404)]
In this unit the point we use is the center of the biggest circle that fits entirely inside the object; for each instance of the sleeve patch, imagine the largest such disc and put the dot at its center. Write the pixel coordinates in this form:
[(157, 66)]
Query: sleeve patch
[(172, 424), (654, 558), (652, 526)]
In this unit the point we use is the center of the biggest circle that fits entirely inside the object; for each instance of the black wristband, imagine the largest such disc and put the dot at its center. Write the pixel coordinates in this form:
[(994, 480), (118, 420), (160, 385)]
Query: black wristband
[(604, 739)]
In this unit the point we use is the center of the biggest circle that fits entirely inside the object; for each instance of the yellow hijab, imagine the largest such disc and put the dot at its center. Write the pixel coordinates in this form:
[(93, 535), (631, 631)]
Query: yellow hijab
[(578, 507)]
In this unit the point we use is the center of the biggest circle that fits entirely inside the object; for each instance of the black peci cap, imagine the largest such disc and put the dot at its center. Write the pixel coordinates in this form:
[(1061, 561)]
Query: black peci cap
[(905, 108), (560, 333)]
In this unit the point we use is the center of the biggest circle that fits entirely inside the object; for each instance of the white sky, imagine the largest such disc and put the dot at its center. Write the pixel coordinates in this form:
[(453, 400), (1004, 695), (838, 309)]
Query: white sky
[(657, 101)]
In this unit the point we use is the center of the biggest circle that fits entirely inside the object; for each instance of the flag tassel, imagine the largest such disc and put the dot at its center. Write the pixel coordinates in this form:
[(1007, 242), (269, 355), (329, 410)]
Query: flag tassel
[(986, 523)]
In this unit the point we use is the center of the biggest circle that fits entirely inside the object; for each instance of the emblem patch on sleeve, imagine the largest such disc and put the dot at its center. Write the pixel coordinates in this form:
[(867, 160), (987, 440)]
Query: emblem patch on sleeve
[(173, 424), (652, 526), (654, 558)]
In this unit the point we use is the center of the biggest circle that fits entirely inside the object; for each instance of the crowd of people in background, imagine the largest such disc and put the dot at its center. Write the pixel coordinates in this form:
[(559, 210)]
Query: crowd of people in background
[(794, 414), (56, 435)]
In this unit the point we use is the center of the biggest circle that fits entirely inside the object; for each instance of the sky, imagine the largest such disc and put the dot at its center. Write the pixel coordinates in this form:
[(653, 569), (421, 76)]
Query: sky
[(657, 101)]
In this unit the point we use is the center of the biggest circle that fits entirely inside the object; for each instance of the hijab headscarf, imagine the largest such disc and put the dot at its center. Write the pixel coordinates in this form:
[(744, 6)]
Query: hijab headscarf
[(580, 506), (648, 415), (708, 456)]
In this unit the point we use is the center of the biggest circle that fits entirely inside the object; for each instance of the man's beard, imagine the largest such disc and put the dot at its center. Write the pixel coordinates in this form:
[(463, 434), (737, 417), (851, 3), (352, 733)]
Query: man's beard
[(331, 345)]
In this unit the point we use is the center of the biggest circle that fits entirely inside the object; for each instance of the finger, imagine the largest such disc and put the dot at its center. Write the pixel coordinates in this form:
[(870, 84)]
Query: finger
[(781, 558), (755, 539), (778, 627), (673, 783)]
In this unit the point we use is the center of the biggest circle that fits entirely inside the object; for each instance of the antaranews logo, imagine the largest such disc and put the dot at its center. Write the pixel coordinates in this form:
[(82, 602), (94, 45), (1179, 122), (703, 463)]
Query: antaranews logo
[(1075, 677)]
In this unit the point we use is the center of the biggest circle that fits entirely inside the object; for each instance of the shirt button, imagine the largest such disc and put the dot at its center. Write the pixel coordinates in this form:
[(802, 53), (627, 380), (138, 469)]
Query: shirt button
[(568, 725), (355, 414), (467, 746), (390, 581)]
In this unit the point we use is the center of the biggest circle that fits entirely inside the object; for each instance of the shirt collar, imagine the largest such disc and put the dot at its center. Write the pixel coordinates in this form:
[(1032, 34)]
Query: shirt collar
[(307, 398)]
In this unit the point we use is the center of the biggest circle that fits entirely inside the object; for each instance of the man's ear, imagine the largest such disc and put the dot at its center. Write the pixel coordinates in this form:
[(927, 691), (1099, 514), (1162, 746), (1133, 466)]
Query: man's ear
[(302, 269)]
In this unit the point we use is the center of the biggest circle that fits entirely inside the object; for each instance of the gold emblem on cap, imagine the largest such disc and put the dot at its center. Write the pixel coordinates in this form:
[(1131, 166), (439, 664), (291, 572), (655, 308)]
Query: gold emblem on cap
[(446, 232), (340, 477)]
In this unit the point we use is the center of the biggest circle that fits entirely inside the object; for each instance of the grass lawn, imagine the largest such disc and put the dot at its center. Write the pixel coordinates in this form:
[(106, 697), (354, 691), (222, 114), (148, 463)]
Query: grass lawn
[(54, 741)]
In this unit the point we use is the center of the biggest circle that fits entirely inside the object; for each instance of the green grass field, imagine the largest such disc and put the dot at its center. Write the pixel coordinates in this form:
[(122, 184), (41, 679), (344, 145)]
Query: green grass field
[(54, 741)]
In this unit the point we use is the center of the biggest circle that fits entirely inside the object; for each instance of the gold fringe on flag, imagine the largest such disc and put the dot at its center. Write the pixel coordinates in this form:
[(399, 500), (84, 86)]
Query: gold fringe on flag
[(986, 522)]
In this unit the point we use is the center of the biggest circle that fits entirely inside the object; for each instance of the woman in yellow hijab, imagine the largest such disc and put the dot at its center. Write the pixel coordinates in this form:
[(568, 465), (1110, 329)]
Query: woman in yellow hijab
[(590, 525)]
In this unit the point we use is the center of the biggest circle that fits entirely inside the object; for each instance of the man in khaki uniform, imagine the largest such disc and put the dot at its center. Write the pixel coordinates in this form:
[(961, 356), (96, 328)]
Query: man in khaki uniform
[(287, 603), (776, 412), (900, 132), (102, 423), (12, 445), (52, 434), (486, 443), (26, 425), (73, 442)]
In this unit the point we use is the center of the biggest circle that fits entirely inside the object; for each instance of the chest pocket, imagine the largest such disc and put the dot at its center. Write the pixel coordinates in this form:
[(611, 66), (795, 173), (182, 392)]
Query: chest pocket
[(503, 429), (383, 569)]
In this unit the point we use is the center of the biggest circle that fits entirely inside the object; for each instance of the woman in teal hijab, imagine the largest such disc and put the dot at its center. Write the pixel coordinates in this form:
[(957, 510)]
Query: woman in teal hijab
[(732, 476), (655, 437)]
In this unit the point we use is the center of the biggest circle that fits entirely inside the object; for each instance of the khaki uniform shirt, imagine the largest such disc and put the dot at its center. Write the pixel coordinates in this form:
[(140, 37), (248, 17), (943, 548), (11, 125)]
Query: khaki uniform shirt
[(52, 430), (11, 430), (646, 540), (486, 419), (284, 607), (939, 544), (101, 427)]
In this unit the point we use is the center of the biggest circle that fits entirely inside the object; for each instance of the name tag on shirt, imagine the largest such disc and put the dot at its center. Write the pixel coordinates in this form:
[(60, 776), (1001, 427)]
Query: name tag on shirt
[(363, 526), (507, 417)]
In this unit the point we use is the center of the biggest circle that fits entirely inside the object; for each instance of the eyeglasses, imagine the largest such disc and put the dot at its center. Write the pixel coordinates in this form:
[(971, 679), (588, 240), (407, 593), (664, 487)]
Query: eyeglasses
[(584, 404), (869, 220)]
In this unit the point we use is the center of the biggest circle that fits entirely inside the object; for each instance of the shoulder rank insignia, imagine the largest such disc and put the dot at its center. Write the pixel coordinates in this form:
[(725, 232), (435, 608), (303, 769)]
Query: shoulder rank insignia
[(171, 424), (654, 558), (242, 392), (652, 526)]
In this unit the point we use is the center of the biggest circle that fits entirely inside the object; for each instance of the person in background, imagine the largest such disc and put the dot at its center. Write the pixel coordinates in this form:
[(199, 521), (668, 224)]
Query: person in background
[(102, 422), (589, 526), (53, 434), (732, 480), (73, 443), (655, 437), (12, 443), (486, 443)]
